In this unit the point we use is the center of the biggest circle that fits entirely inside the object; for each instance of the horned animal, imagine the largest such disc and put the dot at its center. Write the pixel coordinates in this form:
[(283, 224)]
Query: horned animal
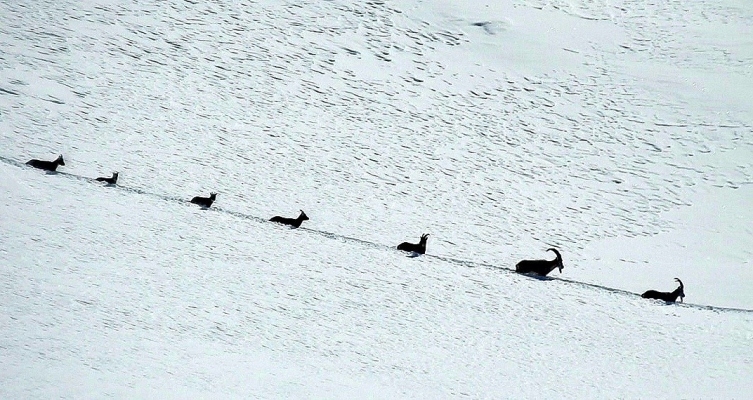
[(419, 247), (669, 297), (294, 222), (540, 267), (47, 165), (110, 181), (205, 202)]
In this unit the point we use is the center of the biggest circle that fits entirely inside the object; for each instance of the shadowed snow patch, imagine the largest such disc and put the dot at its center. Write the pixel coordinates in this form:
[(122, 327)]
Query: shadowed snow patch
[(492, 27)]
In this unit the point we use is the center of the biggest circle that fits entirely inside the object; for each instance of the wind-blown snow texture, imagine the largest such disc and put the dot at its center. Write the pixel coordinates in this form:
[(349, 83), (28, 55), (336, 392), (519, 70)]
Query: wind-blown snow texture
[(618, 132)]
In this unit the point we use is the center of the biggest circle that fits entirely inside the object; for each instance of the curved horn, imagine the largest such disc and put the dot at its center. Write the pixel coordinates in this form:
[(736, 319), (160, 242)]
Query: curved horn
[(557, 260), (681, 285), (555, 252)]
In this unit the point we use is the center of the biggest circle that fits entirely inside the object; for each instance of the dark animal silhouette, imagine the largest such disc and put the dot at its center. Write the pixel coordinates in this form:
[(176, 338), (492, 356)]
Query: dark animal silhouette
[(540, 267), (294, 222), (205, 202), (419, 247), (110, 181), (47, 165), (669, 297)]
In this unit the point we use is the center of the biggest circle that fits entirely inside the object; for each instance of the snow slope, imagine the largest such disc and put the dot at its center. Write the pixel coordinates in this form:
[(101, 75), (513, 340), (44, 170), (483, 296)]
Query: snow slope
[(618, 132)]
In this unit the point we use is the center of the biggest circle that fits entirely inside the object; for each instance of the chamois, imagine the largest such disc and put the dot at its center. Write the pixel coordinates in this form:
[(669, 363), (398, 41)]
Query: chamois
[(540, 267), (110, 181), (669, 297), (47, 165), (294, 222), (205, 202), (419, 247)]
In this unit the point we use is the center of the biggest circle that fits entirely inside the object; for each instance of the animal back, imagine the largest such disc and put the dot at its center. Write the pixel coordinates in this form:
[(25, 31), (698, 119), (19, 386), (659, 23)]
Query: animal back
[(523, 267), (655, 294), (295, 223), (416, 248), (202, 201), (46, 165)]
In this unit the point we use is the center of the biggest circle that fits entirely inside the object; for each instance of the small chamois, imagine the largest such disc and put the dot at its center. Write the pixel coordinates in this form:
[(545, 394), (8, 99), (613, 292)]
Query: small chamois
[(294, 222), (419, 247), (47, 165), (669, 297), (205, 202), (110, 181), (540, 267)]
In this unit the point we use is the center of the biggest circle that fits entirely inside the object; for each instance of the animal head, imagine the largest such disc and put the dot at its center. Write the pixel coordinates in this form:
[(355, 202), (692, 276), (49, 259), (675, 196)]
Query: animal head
[(559, 258), (303, 216), (213, 195), (60, 160), (681, 289), (424, 237)]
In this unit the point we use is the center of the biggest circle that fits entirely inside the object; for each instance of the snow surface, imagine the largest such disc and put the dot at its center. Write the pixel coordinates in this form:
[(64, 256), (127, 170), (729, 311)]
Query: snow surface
[(616, 131)]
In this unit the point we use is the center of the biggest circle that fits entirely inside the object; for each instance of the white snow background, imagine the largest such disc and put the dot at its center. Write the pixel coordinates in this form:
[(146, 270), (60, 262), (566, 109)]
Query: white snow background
[(616, 131)]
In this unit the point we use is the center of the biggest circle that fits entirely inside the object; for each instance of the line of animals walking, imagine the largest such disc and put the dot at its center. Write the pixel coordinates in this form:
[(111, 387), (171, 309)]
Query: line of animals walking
[(535, 267)]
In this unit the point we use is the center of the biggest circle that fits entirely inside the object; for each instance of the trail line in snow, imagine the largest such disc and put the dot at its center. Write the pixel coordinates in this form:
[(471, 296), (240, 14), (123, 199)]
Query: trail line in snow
[(330, 235)]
